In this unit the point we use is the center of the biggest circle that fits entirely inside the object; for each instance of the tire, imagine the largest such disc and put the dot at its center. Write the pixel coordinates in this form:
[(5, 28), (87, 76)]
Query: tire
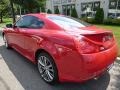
[(47, 68), (6, 42)]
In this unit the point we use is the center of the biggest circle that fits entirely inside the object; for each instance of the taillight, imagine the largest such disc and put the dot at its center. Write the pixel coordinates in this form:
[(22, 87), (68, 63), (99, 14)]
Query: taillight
[(85, 47), (107, 38), (108, 41)]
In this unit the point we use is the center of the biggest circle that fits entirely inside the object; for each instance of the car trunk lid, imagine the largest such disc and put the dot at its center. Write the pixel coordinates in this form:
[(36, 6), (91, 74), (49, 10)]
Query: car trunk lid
[(97, 36)]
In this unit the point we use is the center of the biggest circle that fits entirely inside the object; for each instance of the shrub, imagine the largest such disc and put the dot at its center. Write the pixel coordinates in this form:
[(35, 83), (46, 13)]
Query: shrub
[(99, 16), (108, 21), (84, 19), (49, 11), (112, 21), (89, 20), (57, 11), (74, 13), (116, 21)]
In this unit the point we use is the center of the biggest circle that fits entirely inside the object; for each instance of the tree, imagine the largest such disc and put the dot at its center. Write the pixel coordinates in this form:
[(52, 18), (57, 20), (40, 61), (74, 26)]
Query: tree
[(13, 12), (74, 13), (99, 16), (30, 5), (42, 4), (3, 7), (26, 6), (57, 11), (49, 11)]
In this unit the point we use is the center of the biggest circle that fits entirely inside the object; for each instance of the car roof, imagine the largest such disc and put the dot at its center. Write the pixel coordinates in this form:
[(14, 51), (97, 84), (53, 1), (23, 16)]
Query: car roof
[(43, 15), (38, 14)]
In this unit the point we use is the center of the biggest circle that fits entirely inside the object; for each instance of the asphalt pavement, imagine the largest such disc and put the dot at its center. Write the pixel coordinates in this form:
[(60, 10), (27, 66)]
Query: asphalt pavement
[(17, 73)]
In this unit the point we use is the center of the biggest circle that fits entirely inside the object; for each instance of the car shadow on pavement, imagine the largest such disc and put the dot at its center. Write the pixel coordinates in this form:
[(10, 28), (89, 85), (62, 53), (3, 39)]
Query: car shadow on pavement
[(28, 76)]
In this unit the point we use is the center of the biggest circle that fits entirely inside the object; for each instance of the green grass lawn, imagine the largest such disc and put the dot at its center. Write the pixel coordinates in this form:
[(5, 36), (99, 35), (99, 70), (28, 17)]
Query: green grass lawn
[(115, 30), (6, 21)]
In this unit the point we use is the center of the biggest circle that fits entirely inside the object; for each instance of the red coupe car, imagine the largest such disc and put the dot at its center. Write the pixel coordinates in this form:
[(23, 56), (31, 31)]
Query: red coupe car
[(64, 48)]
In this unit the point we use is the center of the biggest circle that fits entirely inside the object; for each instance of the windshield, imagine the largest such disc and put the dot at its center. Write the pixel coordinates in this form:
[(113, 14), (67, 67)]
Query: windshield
[(68, 22)]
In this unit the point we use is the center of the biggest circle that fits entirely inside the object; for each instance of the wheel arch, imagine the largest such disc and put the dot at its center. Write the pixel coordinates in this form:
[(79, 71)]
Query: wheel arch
[(38, 52), (43, 50)]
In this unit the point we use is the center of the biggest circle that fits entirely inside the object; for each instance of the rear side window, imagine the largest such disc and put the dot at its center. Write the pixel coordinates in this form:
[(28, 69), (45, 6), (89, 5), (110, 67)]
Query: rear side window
[(29, 22), (68, 22)]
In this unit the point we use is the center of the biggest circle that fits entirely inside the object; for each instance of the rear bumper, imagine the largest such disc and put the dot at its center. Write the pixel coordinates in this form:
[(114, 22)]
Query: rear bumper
[(77, 68), (99, 61)]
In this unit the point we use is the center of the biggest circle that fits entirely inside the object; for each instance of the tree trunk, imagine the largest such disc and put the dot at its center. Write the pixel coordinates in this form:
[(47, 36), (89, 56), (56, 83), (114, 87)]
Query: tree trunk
[(13, 12), (1, 20)]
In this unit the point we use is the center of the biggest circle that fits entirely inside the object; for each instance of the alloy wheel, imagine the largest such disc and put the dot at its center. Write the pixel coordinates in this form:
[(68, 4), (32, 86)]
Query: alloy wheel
[(45, 68)]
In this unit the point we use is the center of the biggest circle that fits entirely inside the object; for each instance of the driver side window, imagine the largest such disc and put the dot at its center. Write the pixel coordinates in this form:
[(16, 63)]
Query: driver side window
[(24, 22), (29, 22)]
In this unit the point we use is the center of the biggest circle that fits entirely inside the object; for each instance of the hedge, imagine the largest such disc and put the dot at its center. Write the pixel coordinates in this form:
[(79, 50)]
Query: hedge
[(49, 11), (112, 21), (105, 21)]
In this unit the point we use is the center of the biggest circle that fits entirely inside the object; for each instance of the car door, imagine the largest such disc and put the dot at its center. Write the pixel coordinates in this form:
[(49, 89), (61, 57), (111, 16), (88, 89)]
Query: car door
[(9, 35), (31, 38), (19, 32), (15, 36)]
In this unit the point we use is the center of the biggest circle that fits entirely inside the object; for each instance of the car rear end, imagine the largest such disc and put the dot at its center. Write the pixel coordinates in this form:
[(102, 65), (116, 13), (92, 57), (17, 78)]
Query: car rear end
[(93, 52), (98, 52)]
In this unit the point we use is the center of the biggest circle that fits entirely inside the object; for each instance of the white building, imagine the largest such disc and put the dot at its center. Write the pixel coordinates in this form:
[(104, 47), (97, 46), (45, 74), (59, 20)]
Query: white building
[(85, 7)]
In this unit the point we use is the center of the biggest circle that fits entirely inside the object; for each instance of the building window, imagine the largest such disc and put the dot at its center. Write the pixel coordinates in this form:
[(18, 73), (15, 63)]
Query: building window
[(66, 9), (88, 9), (114, 4), (55, 7), (68, 1), (64, 1), (71, 1), (96, 5), (119, 4), (83, 6), (56, 1)]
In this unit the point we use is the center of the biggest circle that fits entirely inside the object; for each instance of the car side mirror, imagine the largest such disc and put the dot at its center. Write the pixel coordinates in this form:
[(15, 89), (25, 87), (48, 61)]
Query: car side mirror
[(9, 25)]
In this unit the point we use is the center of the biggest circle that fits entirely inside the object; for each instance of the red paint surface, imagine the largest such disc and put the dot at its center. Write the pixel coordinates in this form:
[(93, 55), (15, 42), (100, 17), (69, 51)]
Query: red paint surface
[(75, 59)]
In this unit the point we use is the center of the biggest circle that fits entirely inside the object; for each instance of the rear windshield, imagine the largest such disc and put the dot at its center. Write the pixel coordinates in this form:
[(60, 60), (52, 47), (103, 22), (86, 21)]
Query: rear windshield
[(68, 22)]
